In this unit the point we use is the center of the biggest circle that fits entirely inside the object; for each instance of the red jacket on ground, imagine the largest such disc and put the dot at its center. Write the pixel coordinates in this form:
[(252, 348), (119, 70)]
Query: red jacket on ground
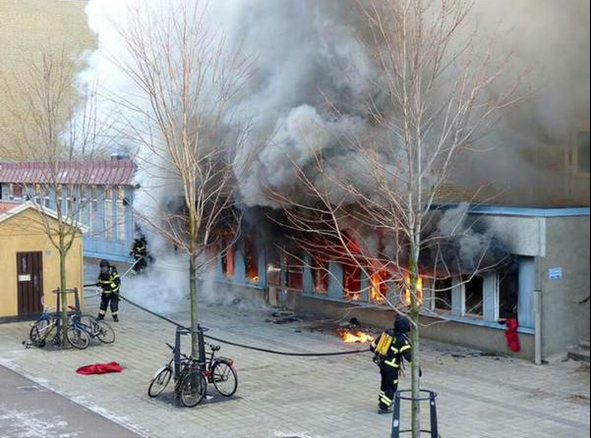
[(100, 368)]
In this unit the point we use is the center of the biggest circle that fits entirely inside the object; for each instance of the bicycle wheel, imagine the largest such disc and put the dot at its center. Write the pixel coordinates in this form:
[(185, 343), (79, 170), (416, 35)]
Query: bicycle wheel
[(77, 338), (193, 388), (38, 332), (159, 382), (104, 332), (225, 378)]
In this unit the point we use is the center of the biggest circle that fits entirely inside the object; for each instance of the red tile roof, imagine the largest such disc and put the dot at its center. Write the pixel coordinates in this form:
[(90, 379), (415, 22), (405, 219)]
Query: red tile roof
[(5, 207), (93, 172)]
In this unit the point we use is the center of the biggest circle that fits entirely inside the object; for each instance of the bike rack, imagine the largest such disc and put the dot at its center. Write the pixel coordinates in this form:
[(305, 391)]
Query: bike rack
[(58, 310), (181, 331), (431, 398)]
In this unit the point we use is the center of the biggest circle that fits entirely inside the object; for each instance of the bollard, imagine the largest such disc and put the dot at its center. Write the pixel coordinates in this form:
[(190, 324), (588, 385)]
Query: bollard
[(431, 397)]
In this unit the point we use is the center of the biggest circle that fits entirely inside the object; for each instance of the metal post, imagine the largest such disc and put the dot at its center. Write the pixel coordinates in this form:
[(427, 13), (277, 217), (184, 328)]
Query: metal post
[(177, 351), (538, 326), (434, 425), (201, 347), (396, 417)]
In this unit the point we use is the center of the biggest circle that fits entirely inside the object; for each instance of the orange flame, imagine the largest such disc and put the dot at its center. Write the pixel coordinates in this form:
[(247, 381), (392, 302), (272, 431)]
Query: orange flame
[(355, 338), (407, 297)]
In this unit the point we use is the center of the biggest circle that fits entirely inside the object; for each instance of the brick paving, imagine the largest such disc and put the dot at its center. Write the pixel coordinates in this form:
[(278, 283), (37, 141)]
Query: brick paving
[(280, 396)]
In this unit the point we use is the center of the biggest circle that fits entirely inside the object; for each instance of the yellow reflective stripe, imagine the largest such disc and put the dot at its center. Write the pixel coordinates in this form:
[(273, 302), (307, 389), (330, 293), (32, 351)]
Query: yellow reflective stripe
[(395, 350), (386, 401), (405, 348), (391, 363), (395, 382), (102, 312)]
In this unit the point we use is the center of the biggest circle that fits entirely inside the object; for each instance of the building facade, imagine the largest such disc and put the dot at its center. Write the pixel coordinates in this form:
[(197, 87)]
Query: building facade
[(98, 194), (546, 290), (30, 262)]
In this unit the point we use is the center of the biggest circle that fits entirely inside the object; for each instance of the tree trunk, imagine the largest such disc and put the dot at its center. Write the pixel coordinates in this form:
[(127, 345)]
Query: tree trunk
[(415, 341), (63, 294), (193, 283)]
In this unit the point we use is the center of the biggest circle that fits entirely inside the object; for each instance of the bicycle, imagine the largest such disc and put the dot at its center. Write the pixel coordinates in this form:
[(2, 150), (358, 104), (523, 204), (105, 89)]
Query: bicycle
[(221, 372), (81, 328), (44, 329), (190, 385)]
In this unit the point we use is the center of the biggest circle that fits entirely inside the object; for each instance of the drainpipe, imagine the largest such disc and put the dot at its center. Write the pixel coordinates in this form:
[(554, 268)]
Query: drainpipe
[(538, 315)]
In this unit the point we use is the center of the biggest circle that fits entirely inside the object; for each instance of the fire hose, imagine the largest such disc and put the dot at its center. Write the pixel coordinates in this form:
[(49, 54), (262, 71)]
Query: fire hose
[(235, 344)]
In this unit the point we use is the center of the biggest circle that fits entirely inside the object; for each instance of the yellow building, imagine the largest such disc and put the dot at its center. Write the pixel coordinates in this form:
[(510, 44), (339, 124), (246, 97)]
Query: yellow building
[(29, 263), (29, 28)]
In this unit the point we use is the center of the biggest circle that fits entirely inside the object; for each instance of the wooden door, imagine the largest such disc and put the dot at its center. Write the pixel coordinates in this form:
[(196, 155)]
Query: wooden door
[(29, 270)]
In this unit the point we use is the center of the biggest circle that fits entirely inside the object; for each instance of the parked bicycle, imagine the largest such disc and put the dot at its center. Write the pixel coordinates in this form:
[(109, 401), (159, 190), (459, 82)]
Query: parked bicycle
[(44, 329), (82, 328), (191, 383)]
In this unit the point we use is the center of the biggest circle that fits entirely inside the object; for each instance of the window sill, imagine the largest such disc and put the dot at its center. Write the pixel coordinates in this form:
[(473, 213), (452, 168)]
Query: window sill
[(476, 321)]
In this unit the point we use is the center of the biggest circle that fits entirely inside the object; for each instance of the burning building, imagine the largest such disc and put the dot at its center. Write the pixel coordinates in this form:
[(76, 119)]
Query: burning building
[(545, 286)]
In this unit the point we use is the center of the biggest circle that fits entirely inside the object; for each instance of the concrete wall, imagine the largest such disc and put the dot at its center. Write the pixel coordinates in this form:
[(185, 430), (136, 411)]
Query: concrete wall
[(564, 319), (23, 233), (467, 335)]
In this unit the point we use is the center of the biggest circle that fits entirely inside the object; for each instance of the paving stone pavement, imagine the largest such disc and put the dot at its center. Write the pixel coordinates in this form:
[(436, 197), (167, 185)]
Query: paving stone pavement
[(279, 396)]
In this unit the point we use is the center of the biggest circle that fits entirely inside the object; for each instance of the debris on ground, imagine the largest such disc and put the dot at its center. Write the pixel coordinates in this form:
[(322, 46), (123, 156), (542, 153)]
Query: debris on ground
[(283, 318)]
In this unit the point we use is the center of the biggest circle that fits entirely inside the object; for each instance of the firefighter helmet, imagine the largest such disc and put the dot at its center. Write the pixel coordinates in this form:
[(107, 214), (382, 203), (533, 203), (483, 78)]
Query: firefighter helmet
[(104, 263), (401, 325)]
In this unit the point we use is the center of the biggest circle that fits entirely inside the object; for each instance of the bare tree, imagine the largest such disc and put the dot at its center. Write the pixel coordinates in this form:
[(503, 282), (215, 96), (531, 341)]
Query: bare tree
[(435, 96), (53, 122), (187, 79)]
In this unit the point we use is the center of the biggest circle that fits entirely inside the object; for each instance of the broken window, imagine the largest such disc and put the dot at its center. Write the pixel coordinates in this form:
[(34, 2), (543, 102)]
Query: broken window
[(442, 290), (251, 259), (379, 286), (474, 293), (352, 282), (227, 254), (319, 267), (294, 270), (508, 294)]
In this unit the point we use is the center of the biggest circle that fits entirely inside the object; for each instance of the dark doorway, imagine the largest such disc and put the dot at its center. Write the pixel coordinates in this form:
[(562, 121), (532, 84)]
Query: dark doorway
[(29, 270)]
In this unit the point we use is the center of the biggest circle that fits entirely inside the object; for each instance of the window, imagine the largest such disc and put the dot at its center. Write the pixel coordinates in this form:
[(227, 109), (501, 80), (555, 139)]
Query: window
[(108, 214), (508, 294), (442, 290), (121, 215), (582, 152), (319, 267), (379, 286), (352, 282), (251, 259), (294, 270), (227, 255), (15, 192), (474, 293)]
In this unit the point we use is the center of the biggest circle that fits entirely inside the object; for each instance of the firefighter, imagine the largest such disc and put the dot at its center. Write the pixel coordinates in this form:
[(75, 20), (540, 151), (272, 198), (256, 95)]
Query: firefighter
[(139, 252), (110, 283), (390, 349)]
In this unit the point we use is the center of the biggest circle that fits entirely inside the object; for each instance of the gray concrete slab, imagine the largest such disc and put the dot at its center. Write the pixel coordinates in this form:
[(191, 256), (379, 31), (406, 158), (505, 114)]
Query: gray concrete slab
[(29, 410)]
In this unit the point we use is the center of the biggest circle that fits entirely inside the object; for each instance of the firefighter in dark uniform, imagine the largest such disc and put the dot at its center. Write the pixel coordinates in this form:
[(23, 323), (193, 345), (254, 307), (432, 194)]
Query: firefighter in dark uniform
[(390, 349), (139, 252), (110, 283)]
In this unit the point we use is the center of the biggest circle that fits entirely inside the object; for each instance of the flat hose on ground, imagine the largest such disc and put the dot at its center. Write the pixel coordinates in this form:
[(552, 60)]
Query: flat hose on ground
[(247, 347)]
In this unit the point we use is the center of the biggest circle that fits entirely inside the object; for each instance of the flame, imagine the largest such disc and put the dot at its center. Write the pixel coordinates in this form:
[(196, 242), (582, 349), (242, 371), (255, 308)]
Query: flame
[(358, 337), (376, 288), (407, 297), (254, 279)]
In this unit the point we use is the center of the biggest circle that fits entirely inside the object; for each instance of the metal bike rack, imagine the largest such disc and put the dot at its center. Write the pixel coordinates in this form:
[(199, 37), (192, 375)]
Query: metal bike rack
[(181, 331), (431, 398), (58, 310)]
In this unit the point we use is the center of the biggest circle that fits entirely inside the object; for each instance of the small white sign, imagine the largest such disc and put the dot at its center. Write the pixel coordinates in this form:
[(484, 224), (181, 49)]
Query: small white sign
[(555, 274), (24, 277)]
